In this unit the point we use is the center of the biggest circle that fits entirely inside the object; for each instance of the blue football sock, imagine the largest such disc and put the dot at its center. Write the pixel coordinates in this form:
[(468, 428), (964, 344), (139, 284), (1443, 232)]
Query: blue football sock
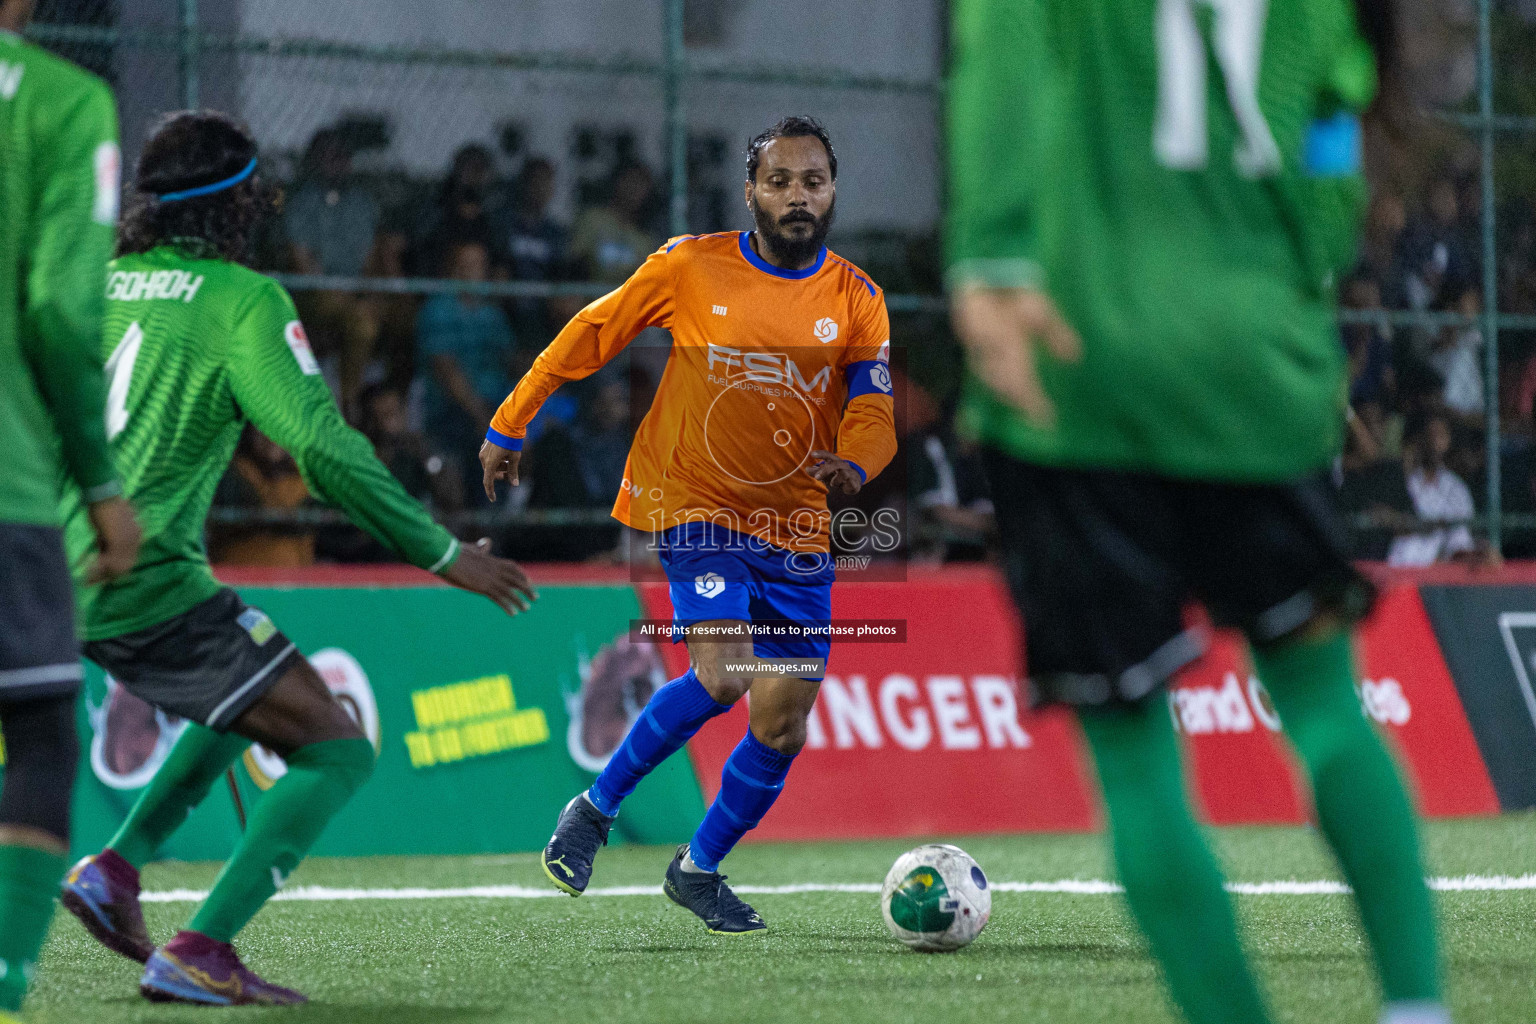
[(673, 714), (753, 776)]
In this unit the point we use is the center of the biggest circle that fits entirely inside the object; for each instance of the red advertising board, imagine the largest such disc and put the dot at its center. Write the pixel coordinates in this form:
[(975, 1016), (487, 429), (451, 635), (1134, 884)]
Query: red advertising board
[(926, 737), (1245, 774), (919, 738)]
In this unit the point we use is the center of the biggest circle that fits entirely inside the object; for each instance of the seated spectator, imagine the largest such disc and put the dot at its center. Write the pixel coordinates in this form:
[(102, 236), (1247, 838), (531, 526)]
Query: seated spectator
[(535, 246), (1369, 346), (331, 221), (1373, 492), (1380, 247), (465, 342), (1441, 500), (609, 242), (1435, 249), (602, 438), (462, 210), (262, 477), (1457, 356), (428, 478)]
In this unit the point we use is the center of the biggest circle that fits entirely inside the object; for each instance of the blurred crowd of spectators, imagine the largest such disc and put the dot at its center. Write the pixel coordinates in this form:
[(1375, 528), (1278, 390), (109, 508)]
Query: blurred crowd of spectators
[(422, 374), (1414, 474)]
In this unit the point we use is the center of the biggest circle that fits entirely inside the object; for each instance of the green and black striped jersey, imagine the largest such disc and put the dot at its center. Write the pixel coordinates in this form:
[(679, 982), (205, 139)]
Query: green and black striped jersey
[(58, 205), (194, 349)]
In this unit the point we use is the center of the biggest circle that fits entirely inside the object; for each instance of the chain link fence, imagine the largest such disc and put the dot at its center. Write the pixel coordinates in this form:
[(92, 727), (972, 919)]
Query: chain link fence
[(596, 85)]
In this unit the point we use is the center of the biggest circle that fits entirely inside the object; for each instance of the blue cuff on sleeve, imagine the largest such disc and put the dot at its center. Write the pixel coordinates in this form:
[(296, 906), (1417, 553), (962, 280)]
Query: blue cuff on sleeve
[(863, 476), (501, 440), (868, 377), (1333, 146)]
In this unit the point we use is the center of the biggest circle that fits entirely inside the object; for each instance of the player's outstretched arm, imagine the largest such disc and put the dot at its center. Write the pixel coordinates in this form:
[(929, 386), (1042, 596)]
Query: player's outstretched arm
[(586, 344), (277, 382), (500, 579)]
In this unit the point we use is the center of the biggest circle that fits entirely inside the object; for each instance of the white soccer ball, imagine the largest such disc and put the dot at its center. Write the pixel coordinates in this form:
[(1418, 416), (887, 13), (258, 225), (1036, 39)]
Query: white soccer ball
[(936, 898)]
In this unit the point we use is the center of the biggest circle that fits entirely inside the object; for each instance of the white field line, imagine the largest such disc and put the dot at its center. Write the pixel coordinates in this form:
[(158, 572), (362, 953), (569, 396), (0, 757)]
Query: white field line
[(1066, 886)]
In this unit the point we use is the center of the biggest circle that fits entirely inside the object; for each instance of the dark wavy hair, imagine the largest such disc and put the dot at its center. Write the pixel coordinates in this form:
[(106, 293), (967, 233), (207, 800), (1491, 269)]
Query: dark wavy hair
[(793, 127), (187, 149)]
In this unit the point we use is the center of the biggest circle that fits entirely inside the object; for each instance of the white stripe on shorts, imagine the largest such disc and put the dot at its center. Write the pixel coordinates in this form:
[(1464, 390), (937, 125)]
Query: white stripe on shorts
[(245, 687), (64, 672)]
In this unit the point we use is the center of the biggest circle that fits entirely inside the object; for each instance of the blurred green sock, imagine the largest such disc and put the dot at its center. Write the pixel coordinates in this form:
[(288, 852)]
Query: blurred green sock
[(1171, 880), (1362, 808), (29, 884)]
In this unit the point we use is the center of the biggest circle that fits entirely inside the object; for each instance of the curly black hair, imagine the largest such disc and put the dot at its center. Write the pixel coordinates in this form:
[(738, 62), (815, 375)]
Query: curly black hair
[(792, 127), (187, 149)]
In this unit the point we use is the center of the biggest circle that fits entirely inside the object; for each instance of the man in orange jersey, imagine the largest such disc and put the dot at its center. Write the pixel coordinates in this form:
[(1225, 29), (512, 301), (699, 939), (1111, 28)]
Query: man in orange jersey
[(778, 388)]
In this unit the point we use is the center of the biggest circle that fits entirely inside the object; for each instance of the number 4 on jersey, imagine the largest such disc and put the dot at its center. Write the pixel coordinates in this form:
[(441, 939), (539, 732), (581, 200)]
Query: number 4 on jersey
[(1181, 137), (120, 372)]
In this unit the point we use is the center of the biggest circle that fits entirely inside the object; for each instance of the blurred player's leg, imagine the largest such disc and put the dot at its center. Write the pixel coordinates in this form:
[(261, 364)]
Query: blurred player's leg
[(1171, 879), (1363, 812), (41, 749), (328, 758), (39, 677), (103, 890)]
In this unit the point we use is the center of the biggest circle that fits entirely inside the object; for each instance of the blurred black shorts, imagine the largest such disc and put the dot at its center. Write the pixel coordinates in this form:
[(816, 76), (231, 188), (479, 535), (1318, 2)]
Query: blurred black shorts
[(1102, 564), (207, 664), (39, 656)]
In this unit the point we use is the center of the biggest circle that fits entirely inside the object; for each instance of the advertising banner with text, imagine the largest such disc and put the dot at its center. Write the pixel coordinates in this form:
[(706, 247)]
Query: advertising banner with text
[(486, 726)]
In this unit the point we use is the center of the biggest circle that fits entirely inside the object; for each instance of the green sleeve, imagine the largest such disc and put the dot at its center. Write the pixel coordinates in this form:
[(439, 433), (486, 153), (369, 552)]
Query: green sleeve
[(66, 278), (277, 384), (998, 76)]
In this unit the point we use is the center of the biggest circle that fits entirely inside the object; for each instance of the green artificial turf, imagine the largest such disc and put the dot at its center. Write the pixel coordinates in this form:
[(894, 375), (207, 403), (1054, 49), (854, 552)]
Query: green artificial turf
[(1054, 958)]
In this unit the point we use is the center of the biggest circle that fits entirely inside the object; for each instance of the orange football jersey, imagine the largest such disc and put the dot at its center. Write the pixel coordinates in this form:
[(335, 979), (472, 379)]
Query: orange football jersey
[(767, 366)]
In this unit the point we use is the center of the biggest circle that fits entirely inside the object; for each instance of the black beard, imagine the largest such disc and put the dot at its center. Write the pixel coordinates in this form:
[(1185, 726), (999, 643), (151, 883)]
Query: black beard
[(788, 251)]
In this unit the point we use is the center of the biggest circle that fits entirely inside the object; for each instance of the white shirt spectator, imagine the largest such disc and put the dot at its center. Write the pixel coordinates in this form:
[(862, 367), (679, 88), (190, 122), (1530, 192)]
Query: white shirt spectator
[(1458, 363), (1438, 497)]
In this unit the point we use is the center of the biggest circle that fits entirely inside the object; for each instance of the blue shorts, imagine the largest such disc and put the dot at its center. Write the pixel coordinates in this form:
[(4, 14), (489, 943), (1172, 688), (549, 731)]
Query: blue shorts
[(717, 573)]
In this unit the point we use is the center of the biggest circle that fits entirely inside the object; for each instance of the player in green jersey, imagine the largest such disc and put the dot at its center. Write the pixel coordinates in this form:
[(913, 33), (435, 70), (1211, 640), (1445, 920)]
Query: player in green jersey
[(196, 346), (1158, 192), (58, 202)]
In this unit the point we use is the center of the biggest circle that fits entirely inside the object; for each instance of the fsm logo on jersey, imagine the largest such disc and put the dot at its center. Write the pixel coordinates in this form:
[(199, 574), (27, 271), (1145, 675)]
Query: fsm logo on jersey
[(826, 330), (711, 584)]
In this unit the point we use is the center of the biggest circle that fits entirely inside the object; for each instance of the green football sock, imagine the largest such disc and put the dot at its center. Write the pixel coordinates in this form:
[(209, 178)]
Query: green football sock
[(1170, 876), (29, 883), (194, 764), (287, 820), (1362, 807)]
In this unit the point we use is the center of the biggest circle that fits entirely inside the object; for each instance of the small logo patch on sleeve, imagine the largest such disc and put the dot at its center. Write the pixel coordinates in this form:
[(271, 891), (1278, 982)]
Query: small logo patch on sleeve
[(255, 622), (107, 168), (298, 341)]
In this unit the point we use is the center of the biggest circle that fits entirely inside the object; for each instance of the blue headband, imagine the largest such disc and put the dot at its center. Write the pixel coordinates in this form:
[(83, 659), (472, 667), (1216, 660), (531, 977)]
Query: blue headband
[(207, 190)]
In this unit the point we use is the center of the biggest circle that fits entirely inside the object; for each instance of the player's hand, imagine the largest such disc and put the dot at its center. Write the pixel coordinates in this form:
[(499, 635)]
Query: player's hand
[(834, 471), (117, 540), (1000, 328), (498, 463), (500, 579)]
